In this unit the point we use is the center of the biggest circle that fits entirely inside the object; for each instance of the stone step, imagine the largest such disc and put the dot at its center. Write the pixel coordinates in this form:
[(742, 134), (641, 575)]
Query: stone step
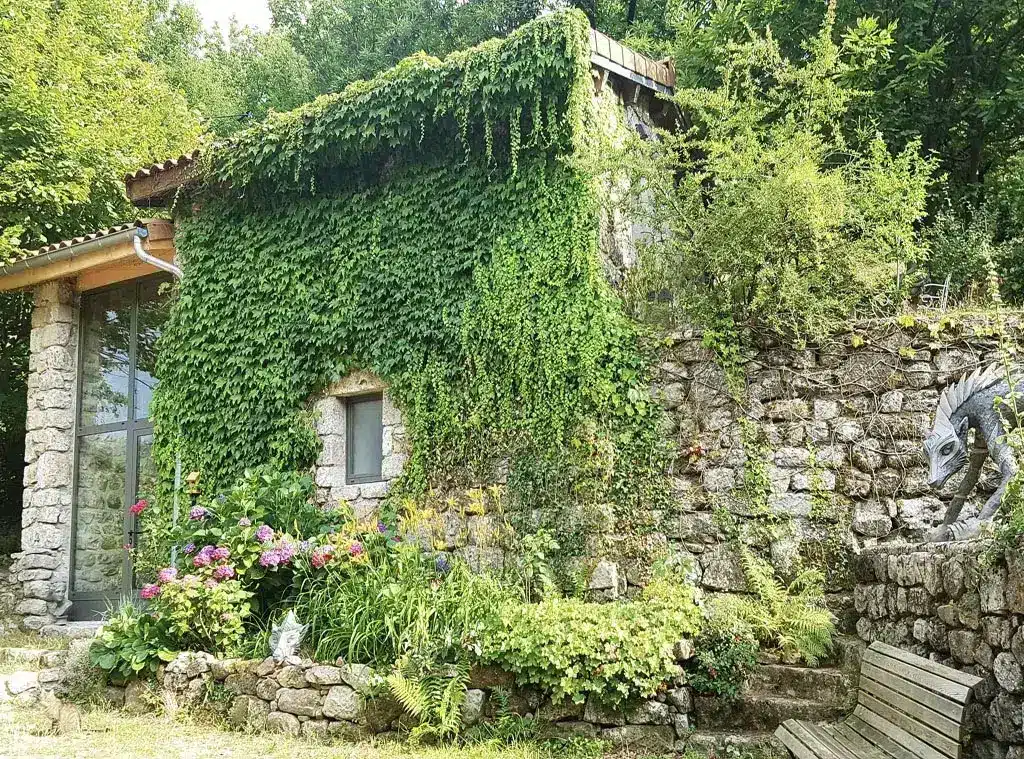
[(754, 712), (827, 685), (749, 745), (73, 630), (846, 653)]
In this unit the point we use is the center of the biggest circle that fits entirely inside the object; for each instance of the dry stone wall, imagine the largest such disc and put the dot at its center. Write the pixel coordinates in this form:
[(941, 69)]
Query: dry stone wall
[(811, 453), (953, 604), (317, 700)]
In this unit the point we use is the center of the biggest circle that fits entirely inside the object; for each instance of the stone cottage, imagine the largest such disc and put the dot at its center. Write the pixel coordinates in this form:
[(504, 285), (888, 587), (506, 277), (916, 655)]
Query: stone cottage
[(99, 304)]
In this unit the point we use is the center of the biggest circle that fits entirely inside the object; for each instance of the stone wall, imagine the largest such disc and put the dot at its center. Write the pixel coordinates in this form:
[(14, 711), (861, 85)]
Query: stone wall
[(949, 602), (42, 566), (813, 452), (301, 697)]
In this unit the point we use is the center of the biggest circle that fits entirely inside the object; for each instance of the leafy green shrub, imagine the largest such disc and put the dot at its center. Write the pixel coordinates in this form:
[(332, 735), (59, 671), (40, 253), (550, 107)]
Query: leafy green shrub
[(772, 218), (574, 649), (964, 249), (131, 644), (792, 618), (726, 653)]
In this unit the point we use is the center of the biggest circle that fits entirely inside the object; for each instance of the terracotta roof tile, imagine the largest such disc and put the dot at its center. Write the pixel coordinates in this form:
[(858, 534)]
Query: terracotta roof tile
[(53, 247), (172, 163)]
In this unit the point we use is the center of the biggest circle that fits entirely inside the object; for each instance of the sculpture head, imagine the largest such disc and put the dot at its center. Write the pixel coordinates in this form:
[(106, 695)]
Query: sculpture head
[(286, 637), (946, 450), (946, 446)]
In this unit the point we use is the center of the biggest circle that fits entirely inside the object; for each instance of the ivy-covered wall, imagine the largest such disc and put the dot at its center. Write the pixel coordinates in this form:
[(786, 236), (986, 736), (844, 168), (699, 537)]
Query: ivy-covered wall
[(437, 226)]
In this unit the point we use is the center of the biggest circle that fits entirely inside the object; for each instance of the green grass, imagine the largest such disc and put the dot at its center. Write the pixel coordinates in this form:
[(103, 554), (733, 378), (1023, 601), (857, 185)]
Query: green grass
[(107, 734), (21, 639)]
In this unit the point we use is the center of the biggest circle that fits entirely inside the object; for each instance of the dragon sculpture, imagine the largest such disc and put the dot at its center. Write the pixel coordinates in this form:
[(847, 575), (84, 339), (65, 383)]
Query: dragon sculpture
[(970, 403)]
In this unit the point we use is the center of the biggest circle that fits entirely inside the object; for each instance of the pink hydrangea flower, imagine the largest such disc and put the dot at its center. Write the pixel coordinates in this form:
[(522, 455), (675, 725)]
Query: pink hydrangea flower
[(220, 553), (168, 574), (320, 557), (225, 572), (197, 513), (211, 583), (149, 591), (139, 506), (265, 533), (356, 549)]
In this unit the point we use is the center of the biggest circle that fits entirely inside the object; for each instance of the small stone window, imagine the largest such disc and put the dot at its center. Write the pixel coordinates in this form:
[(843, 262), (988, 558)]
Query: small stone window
[(364, 438)]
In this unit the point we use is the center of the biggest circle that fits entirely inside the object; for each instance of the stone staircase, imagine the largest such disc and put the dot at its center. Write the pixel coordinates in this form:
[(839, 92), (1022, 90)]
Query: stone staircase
[(775, 692)]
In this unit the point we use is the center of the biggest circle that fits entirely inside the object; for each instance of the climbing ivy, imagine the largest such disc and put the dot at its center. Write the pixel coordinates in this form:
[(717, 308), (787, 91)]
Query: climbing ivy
[(436, 226)]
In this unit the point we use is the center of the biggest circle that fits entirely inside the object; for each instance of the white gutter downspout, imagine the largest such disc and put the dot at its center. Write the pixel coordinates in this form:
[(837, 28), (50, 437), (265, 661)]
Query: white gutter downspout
[(142, 233)]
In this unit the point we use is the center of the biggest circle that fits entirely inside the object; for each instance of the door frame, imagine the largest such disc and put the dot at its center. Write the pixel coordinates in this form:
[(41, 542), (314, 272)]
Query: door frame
[(92, 605)]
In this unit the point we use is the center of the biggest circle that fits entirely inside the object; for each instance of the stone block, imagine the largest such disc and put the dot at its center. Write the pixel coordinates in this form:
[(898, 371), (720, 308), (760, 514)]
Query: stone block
[(291, 677), (649, 713), (722, 569), (281, 722), (299, 701), (359, 677), (652, 738), (794, 504), (597, 713), (342, 703), (322, 674), (719, 479), (962, 645), (825, 410), (473, 706), (604, 577), (1008, 673)]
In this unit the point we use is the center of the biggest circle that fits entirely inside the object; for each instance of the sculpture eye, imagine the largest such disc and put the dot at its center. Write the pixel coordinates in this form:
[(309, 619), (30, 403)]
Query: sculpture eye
[(947, 449)]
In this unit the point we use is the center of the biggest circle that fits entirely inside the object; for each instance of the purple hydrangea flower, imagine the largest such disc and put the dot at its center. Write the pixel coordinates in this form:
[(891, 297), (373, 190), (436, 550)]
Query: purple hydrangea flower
[(441, 565), (225, 572), (355, 549), (220, 553), (304, 546), (265, 533), (168, 574), (197, 513), (245, 522), (270, 558), (190, 548), (381, 527)]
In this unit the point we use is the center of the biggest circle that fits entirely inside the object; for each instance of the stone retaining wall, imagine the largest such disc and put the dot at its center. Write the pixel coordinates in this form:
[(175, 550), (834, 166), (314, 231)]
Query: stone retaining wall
[(811, 452), (301, 697), (948, 602)]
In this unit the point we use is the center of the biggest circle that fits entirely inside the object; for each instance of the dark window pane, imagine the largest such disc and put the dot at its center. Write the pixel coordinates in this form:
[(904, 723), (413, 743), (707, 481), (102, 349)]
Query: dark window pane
[(153, 305), (365, 432), (100, 513), (106, 339)]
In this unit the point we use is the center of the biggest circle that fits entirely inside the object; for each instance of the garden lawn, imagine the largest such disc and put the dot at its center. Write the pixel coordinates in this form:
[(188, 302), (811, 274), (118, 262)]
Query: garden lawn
[(108, 734)]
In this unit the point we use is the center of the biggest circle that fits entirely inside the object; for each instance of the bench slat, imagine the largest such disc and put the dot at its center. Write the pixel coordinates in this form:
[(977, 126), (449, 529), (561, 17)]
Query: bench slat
[(947, 707), (792, 741), (928, 665), (894, 724), (824, 736), (854, 742), (951, 690), (871, 735), (932, 719)]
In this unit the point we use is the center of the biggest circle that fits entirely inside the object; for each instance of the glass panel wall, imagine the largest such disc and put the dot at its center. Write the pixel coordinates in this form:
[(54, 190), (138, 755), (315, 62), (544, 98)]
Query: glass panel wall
[(114, 467)]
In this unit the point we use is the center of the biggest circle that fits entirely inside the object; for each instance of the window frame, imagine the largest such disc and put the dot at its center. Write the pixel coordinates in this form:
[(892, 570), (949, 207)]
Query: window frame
[(350, 440)]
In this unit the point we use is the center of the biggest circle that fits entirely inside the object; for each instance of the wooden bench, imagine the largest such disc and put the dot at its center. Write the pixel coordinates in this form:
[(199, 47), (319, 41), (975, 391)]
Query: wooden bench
[(908, 707)]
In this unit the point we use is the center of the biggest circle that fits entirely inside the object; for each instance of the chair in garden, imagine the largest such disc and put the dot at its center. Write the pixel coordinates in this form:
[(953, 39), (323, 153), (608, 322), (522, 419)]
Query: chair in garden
[(908, 707)]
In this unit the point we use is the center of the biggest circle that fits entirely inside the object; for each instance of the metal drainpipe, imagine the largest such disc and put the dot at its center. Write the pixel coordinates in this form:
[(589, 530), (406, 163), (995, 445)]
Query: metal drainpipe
[(142, 233)]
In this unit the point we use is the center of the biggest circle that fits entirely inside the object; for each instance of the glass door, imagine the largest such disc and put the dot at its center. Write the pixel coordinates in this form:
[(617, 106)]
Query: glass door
[(113, 468)]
